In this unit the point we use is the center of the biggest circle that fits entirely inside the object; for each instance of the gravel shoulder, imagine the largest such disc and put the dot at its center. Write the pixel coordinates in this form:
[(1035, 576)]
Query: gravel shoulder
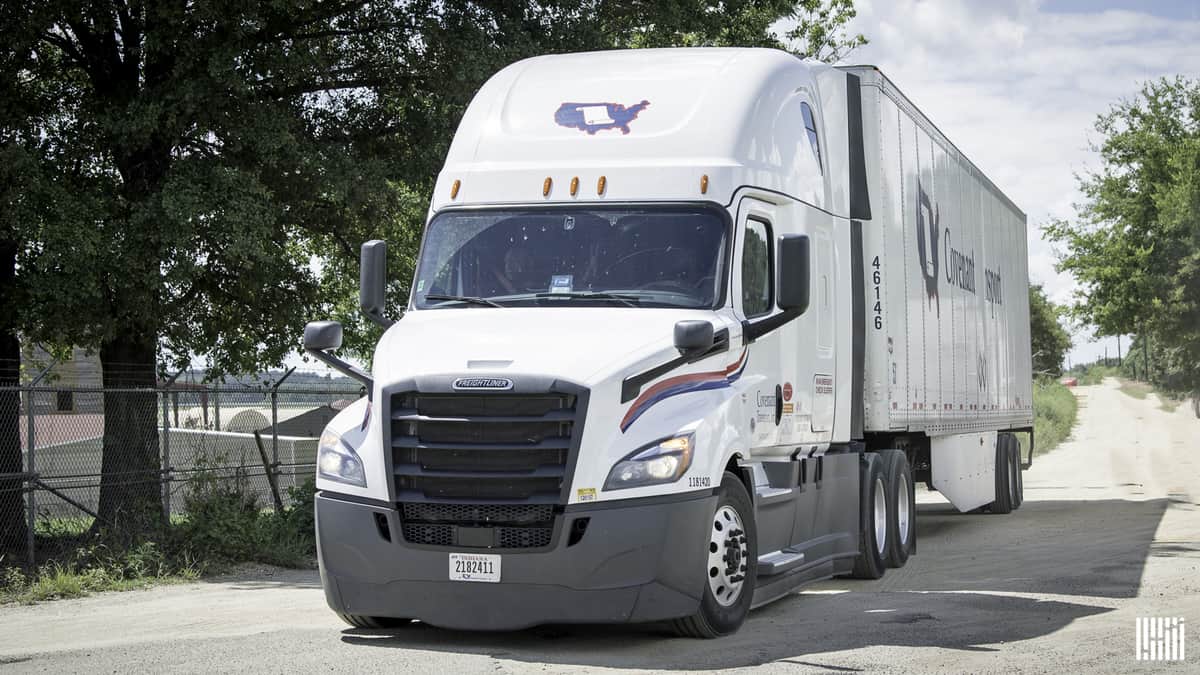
[(1110, 531)]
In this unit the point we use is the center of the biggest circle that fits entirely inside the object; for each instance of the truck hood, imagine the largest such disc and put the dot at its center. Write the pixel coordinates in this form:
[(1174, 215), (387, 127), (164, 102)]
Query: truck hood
[(581, 344)]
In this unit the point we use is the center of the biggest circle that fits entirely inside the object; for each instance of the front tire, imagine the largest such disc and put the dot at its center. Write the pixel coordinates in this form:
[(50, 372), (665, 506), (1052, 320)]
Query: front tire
[(873, 520), (732, 566), (373, 622)]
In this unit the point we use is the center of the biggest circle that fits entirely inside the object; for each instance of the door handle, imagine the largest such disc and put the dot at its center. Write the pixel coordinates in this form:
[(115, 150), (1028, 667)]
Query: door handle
[(778, 404)]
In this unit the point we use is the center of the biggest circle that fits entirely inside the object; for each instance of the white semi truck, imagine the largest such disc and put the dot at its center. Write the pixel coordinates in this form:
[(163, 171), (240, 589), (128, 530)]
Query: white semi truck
[(685, 328)]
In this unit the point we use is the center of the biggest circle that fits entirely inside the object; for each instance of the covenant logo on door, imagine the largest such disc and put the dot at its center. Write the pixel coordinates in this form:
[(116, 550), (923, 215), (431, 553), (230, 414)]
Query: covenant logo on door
[(476, 383)]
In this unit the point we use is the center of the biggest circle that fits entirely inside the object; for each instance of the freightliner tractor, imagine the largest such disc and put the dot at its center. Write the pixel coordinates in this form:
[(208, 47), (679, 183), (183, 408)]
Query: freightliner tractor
[(686, 327)]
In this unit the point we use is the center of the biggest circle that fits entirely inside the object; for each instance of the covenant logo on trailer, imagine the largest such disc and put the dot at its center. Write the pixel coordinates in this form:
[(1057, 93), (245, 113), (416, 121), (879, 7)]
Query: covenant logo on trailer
[(927, 244), (476, 383), (593, 117)]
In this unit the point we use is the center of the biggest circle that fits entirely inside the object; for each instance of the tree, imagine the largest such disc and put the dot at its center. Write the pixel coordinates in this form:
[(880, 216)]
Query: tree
[(1050, 340), (205, 170), (1135, 246)]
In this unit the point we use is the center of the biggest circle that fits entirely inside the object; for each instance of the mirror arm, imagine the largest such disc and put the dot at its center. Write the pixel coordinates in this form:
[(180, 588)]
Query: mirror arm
[(752, 330), (379, 319), (345, 368)]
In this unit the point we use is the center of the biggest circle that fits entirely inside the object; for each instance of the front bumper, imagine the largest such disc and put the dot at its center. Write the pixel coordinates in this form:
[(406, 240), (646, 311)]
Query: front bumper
[(638, 560)]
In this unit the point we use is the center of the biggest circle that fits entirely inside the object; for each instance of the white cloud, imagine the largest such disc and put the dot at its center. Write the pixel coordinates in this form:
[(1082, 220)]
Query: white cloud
[(1018, 88)]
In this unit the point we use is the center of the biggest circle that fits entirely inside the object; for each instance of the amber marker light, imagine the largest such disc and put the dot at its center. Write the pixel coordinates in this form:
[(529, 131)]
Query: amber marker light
[(704, 184), (600, 185), (546, 186), (574, 186), (454, 188)]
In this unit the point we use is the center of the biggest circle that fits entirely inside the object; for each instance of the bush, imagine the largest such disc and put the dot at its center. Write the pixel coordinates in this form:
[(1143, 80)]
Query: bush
[(1095, 373), (97, 568), (227, 524), (1054, 413)]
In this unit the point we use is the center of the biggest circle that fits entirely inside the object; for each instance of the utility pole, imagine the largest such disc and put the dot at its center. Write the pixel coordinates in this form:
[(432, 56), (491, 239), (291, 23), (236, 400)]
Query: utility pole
[(1146, 352), (1118, 350)]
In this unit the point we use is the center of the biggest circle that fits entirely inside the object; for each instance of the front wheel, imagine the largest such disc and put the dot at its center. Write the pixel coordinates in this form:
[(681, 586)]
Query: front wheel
[(373, 622), (731, 569)]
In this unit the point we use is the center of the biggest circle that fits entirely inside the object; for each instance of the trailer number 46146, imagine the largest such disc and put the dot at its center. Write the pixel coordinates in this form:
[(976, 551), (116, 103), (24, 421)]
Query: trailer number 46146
[(876, 279)]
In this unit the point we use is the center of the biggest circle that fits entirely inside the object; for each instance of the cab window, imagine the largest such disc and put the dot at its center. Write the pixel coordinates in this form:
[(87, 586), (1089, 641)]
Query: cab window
[(757, 286)]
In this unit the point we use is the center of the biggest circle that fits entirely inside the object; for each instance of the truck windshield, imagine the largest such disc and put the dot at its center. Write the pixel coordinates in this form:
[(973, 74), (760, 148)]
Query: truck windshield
[(649, 257)]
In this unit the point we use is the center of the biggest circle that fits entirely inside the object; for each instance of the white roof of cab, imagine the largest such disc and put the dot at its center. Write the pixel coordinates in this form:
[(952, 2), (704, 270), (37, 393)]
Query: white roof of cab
[(651, 121)]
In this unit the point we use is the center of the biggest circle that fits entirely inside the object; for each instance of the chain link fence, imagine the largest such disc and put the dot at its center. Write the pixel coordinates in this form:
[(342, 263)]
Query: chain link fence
[(74, 440)]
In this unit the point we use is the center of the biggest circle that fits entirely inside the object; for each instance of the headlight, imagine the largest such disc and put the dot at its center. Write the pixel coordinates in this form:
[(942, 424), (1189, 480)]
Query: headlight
[(663, 462), (337, 461)]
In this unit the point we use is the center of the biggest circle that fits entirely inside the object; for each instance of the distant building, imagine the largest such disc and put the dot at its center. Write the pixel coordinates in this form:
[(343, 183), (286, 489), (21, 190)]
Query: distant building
[(79, 370)]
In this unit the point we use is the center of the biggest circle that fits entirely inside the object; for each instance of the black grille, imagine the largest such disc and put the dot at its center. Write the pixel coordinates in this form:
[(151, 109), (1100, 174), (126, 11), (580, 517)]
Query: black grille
[(481, 448), (502, 537), (430, 535), (480, 513), (481, 470)]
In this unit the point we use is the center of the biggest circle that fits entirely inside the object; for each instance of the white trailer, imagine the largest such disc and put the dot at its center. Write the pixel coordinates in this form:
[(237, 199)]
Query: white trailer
[(685, 328)]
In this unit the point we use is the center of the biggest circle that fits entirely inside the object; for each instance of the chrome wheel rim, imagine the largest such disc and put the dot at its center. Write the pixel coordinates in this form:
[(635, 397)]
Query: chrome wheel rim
[(902, 513), (728, 556), (880, 514)]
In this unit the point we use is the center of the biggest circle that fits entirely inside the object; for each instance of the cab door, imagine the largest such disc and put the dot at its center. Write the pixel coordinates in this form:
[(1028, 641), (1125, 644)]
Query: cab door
[(771, 363)]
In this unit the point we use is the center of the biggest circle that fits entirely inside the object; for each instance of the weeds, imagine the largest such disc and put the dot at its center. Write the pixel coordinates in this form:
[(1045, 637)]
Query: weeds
[(1135, 389), (96, 568), (224, 525), (1054, 413), (1095, 374)]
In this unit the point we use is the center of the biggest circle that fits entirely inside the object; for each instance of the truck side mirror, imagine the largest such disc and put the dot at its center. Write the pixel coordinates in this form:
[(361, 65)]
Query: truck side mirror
[(320, 338), (795, 266), (372, 281), (693, 336), (322, 335)]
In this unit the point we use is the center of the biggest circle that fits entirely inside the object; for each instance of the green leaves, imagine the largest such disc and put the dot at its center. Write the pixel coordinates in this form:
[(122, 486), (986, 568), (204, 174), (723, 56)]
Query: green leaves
[(202, 174), (1135, 248), (1050, 340)]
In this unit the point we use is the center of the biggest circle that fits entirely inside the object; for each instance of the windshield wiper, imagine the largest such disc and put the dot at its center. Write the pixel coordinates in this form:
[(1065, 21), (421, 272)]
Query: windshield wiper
[(593, 295), (464, 298)]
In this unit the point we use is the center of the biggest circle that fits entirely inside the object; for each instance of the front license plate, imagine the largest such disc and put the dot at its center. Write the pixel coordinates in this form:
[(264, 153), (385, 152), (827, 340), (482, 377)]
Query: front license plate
[(474, 567)]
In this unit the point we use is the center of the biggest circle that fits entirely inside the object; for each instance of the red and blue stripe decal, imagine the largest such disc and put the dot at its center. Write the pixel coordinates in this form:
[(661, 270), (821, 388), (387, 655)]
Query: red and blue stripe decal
[(684, 384)]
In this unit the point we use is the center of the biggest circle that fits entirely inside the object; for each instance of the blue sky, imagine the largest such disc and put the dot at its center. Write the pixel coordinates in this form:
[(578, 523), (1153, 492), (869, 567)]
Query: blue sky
[(1017, 85), (1173, 9)]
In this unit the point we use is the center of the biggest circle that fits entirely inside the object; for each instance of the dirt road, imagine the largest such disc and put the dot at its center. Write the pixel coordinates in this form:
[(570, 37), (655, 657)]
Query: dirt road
[(1110, 531)]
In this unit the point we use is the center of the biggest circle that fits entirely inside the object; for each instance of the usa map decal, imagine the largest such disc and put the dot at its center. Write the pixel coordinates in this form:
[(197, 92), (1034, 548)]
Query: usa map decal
[(593, 117)]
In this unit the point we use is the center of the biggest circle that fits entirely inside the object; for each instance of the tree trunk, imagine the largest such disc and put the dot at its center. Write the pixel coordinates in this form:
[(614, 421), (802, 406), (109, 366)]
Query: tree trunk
[(130, 484), (12, 506)]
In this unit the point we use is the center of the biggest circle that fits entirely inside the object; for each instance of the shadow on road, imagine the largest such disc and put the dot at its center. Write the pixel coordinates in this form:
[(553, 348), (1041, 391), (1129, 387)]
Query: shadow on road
[(952, 595)]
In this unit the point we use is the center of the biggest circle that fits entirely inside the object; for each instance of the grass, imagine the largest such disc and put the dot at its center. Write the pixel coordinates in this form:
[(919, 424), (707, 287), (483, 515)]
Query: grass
[(1167, 401), (1054, 411), (224, 525), (1096, 373), (1135, 389), (95, 568)]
